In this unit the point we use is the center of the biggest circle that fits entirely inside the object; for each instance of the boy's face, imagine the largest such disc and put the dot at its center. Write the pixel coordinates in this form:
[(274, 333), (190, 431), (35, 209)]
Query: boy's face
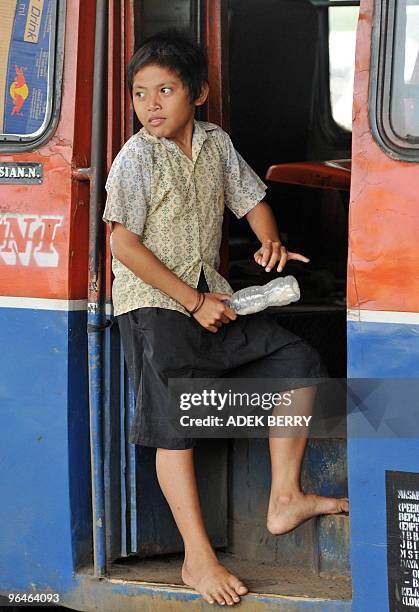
[(162, 102)]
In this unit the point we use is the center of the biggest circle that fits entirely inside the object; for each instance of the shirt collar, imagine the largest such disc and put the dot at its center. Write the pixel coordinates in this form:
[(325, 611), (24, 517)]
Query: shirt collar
[(198, 138)]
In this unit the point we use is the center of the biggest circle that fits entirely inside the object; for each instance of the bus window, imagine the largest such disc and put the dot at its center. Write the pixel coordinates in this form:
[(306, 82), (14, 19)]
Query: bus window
[(27, 53), (404, 109), (394, 83), (156, 15), (342, 35), (337, 23)]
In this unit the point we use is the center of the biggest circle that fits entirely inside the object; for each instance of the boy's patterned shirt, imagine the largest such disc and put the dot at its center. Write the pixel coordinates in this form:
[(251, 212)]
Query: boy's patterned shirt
[(176, 207)]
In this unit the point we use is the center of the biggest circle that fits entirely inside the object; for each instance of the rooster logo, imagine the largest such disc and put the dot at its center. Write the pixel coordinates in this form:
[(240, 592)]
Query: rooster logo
[(19, 91)]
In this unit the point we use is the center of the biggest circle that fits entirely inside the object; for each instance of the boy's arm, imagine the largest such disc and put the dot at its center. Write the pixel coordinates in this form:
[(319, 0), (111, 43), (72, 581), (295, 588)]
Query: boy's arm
[(129, 250), (242, 188), (262, 221)]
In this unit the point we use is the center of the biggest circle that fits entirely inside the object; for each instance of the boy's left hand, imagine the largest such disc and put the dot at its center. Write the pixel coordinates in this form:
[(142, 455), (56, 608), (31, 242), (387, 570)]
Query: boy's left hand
[(272, 252)]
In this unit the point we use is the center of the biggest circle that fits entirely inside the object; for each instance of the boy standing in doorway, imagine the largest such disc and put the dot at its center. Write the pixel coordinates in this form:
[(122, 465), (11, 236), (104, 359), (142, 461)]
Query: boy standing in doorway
[(167, 189)]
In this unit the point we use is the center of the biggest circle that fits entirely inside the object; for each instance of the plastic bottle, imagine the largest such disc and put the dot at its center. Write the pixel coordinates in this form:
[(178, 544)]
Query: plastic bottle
[(278, 292)]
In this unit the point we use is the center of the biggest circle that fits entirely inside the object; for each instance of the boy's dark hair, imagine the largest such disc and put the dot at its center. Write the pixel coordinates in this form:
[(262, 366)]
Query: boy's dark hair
[(175, 50)]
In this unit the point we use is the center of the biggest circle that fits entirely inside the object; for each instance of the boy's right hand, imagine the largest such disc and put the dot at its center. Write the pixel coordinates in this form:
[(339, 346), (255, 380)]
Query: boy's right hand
[(213, 312)]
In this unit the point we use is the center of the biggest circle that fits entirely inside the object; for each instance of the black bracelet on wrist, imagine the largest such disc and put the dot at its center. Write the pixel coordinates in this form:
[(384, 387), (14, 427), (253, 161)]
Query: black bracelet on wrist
[(200, 304), (198, 298)]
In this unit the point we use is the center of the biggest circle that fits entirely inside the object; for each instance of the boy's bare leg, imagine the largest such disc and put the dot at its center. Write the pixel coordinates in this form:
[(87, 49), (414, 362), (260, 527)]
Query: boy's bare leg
[(201, 569), (288, 505)]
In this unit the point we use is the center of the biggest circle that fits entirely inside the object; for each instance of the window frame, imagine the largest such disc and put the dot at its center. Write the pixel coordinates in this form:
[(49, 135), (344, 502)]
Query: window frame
[(335, 134), (381, 72), (15, 143), (329, 5)]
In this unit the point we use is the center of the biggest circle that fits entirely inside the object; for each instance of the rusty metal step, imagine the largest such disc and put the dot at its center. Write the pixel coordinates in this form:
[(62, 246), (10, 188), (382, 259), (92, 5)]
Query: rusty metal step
[(154, 584)]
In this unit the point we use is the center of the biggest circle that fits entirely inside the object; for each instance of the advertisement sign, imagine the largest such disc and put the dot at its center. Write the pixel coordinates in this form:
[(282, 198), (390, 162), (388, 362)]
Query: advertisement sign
[(25, 32)]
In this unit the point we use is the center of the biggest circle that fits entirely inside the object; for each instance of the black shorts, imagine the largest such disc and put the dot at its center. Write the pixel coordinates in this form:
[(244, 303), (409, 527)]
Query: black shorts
[(160, 344)]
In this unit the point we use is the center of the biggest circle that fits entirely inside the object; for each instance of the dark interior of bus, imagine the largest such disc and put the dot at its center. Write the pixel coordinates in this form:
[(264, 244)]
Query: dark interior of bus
[(280, 112)]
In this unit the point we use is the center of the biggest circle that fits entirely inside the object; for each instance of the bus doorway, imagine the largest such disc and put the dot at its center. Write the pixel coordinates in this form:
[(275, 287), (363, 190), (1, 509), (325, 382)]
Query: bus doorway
[(266, 90), (291, 68)]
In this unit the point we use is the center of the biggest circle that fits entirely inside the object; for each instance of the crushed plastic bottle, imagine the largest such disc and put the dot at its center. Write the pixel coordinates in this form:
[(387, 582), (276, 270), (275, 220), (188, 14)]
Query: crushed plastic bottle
[(278, 292)]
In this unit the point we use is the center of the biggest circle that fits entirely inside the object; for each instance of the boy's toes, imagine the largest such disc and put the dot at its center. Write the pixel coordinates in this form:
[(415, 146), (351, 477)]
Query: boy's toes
[(240, 588), (233, 597), (344, 504), (220, 599), (228, 597), (209, 599)]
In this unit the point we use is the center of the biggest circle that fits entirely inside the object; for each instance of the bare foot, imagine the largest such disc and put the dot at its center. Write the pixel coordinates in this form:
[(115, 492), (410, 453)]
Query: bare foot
[(212, 580), (286, 513)]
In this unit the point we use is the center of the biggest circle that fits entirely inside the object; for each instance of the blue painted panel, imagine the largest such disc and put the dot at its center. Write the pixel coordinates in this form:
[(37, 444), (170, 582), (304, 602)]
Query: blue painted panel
[(383, 350), (35, 518), (368, 461), (376, 350)]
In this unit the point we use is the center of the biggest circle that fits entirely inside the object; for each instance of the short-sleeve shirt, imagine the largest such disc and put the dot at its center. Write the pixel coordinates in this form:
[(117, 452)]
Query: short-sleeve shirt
[(176, 207)]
